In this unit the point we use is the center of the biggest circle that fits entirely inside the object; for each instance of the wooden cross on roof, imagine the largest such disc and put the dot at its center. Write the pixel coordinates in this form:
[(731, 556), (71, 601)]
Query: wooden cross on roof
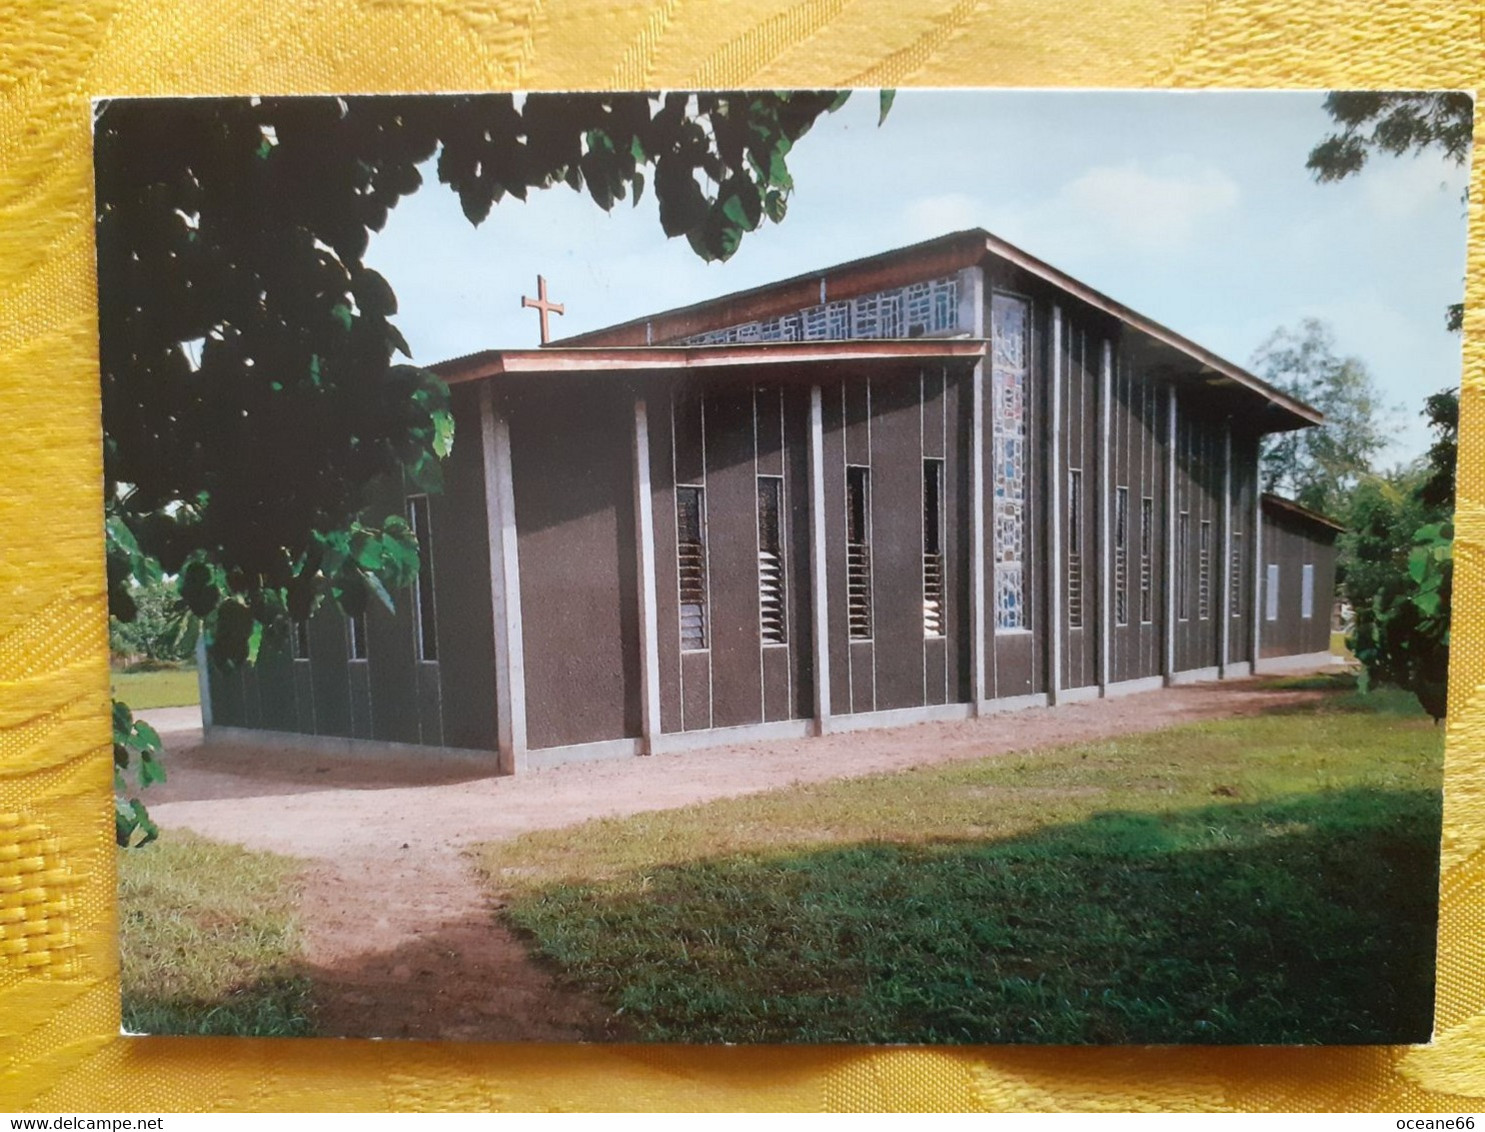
[(543, 305)]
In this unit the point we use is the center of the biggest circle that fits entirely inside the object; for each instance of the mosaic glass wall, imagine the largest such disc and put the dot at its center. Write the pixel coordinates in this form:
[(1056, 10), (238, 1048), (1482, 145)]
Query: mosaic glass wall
[(903, 312), (1010, 363)]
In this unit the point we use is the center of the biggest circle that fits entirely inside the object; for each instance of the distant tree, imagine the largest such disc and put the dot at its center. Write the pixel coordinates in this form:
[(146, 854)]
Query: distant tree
[(251, 395), (162, 629), (1318, 467), (1399, 578)]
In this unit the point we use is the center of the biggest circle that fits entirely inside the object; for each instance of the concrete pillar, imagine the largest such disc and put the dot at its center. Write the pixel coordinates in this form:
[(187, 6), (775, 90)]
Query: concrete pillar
[(644, 538), (819, 576), (1056, 567), (505, 585), (1171, 581), (1224, 637), (1105, 542)]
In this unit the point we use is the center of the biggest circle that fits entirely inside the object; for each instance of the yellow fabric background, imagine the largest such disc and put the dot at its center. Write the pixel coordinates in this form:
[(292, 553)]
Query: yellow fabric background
[(59, 1049)]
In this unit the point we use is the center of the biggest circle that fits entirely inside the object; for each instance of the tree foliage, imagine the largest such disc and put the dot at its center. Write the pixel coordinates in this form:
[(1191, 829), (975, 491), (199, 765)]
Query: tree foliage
[(252, 392), (1318, 467), (1399, 578)]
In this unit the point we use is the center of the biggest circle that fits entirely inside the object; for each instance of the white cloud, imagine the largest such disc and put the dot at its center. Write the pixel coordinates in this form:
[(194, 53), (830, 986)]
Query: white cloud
[(932, 216), (1144, 207)]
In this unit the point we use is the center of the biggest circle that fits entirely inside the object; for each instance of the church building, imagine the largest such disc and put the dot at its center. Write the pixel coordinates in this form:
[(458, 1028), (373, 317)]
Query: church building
[(940, 482)]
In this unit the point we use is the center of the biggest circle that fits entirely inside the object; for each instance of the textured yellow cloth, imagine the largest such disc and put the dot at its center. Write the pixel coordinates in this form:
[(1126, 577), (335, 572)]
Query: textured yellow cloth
[(59, 1049)]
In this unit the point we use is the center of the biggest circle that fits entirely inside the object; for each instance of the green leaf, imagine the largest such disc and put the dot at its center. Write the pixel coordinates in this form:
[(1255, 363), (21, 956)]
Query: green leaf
[(374, 584), (443, 433), (341, 313), (886, 99)]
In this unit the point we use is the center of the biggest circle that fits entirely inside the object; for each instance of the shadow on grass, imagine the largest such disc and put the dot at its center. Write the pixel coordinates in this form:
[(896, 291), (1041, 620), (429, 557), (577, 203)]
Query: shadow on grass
[(277, 1006), (1305, 920)]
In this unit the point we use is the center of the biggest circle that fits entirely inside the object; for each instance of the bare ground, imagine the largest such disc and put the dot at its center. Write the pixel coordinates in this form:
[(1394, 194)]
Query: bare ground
[(400, 938)]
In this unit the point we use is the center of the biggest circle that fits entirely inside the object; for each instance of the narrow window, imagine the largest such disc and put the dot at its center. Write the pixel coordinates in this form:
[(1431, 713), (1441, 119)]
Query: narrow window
[(858, 552), (1204, 572), (1121, 556), (772, 621), (1183, 565), (933, 548), (690, 525), (423, 609), (1074, 548), (1307, 592), (1147, 571), (356, 627), (1271, 594), (1235, 578), (299, 634)]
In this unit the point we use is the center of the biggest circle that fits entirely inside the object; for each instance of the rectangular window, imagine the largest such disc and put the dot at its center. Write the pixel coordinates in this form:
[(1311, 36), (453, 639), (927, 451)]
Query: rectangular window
[(1183, 565), (1235, 578), (690, 527), (858, 552), (1010, 408), (1204, 572), (1271, 594), (933, 548), (1307, 592), (356, 628), (772, 620), (1121, 556), (1074, 548), (299, 638), (424, 620), (1147, 570)]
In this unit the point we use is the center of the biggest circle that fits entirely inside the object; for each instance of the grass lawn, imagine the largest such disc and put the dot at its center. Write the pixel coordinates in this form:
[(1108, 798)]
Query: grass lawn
[(209, 940), (166, 687), (1263, 880)]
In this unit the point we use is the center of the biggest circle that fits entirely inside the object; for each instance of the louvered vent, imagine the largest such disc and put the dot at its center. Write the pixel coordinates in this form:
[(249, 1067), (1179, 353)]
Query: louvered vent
[(772, 621), (691, 564), (1204, 572), (933, 550), (858, 553), (1121, 556), (1074, 548), (1147, 523)]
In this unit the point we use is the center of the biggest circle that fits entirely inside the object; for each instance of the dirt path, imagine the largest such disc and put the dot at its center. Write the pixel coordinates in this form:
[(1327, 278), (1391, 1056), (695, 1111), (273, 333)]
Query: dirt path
[(400, 937)]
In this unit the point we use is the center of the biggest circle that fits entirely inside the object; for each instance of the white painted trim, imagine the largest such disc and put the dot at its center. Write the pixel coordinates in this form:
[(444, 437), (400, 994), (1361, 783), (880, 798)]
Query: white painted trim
[(342, 745), (1079, 695), (819, 575), (1224, 637), (900, 717), (1171, 581), (1013, 703), (1298, 662), (544, 758), (203, 680), (1105, 543), (505, 586), (1137, 685), (674, 742), (649, 617), (1196, 675), (1056, 568)]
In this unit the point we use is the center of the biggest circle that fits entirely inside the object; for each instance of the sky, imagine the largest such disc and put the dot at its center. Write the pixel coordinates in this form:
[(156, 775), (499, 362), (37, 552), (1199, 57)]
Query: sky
[(1193, 208)]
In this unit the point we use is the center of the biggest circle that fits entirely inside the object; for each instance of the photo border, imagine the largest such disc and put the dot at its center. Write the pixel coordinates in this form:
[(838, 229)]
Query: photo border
[(60, 1049)]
